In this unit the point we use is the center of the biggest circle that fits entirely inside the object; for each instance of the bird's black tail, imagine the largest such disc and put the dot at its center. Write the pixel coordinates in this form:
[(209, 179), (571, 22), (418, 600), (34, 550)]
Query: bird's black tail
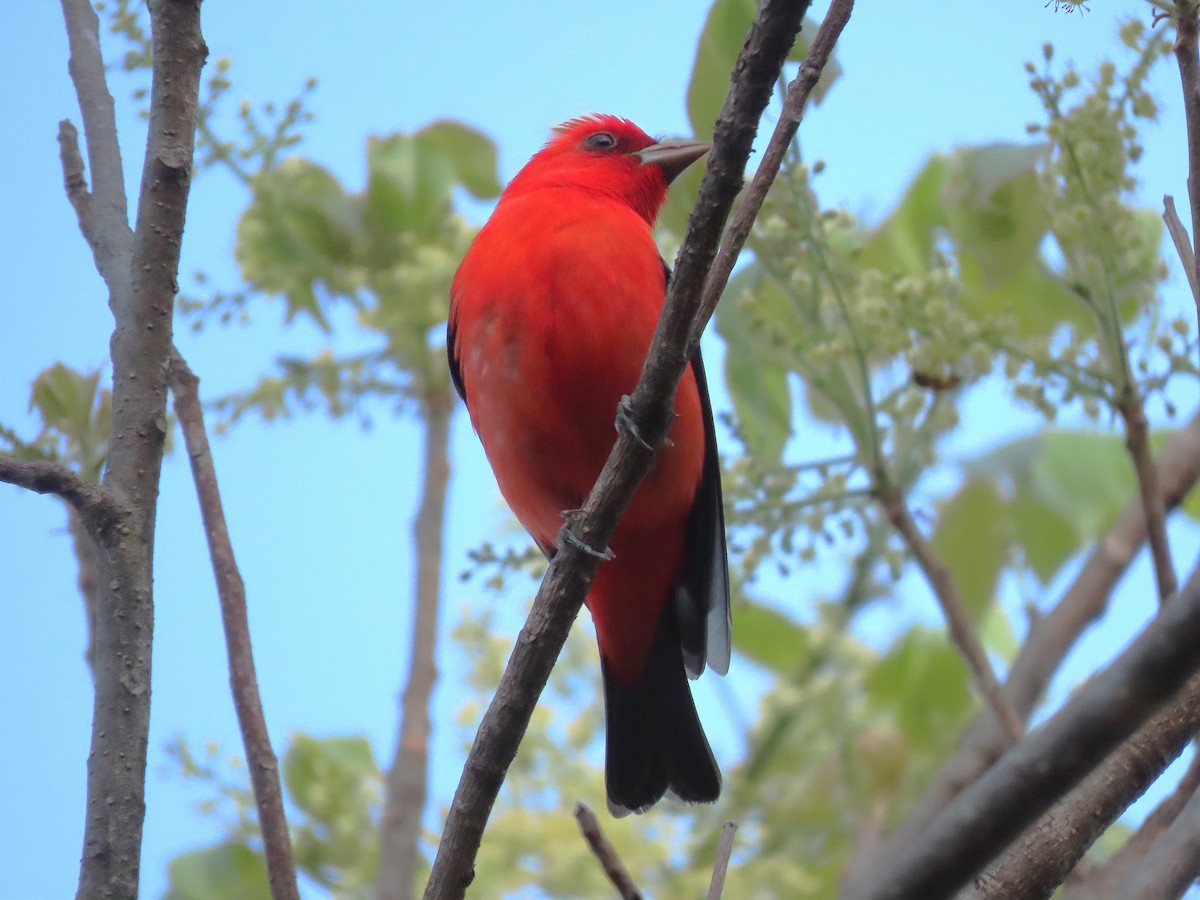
[(655, 742)]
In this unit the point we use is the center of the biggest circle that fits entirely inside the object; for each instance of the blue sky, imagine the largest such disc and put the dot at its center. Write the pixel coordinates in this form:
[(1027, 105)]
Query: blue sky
[(319, 513)]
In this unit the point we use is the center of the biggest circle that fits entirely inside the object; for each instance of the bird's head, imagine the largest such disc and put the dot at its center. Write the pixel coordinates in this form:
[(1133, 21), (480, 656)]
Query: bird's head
[(610, 155)]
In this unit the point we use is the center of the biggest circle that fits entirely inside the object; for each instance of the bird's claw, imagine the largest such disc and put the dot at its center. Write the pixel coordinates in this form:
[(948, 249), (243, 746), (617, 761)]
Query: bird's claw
[(568, 538), (625, 423)]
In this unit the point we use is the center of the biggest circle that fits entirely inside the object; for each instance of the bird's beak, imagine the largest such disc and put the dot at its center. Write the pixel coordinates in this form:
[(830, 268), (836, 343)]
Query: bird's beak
[(673, 155)]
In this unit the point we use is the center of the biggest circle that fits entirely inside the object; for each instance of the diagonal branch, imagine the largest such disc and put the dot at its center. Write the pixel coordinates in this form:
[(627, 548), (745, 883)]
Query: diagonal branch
[(980, 822), (1173, 862), (1103, 879), (260, 758), (606, 854), (1050, 639), (98, 509), (1035, 864), (1137, 442), (569, 576), (958, 623)]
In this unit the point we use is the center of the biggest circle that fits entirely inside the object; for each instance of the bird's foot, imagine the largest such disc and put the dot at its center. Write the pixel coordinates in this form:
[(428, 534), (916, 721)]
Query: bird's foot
[(625, 423), (568, 538)]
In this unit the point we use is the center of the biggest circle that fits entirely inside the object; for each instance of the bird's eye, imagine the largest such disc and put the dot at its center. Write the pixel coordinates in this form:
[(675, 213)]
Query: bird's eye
[(601, 140)]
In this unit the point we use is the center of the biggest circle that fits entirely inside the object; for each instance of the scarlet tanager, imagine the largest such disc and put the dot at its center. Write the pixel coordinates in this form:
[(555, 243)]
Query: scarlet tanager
[(551, 314)]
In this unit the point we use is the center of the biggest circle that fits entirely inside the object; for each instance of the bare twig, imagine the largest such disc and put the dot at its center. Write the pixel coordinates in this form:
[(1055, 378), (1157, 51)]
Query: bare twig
[(606, 853), (1187, 48), (109, 236), (721, 865), (1035, 864), (407, 779), (74, 181), (1137, 442), (97, 508), (798, 92), (569, 576), (261, 761), (958, 623), (1048, 762), (1051, 637), (139, 271), (1179, 237)]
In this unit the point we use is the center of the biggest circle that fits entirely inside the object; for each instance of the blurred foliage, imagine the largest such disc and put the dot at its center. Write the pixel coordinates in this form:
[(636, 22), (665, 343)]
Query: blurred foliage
[(334, 786), (1021, 262)]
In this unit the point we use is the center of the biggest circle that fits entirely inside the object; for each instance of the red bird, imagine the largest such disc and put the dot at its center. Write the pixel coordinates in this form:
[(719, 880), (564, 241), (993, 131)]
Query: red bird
[(551, 316)]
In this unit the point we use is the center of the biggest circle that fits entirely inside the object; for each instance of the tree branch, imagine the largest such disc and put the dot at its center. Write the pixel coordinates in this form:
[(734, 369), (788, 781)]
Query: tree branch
[(1187, 57), (1035, 864), (728, 831), (1102, 880), (1179, 237), (407, 779), (261, 762), (140, 275), (1137, 442), (1172, 863), (958, 623), (1048, 762), (108, 233), (570, 573), (610, 862), (1050, 639), (97, 508)]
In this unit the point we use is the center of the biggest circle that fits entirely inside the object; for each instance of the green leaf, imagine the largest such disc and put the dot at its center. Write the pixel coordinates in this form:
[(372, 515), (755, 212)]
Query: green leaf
[(471, 153), (325, 776), (409, 184), (973, 539), (996, 633), (770, 638), (218, 873), (301, 230), (758, 386), (721, 41), (1032, 296), (923, 682), (994, 205), (64, 399), (1062, 489), (904, 242)]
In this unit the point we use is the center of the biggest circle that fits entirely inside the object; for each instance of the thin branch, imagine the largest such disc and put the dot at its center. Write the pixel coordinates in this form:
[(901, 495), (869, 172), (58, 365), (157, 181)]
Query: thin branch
[(407, 779), (798, 93), (1183, 247), (569, 575), (724, 852), (74, 180), (1051, 850), (981, 821), (1050, 638), (98, 509), (610, 862), (261, 761), (108, 232), (1137, 442), (1187, 57), (958, 622)]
